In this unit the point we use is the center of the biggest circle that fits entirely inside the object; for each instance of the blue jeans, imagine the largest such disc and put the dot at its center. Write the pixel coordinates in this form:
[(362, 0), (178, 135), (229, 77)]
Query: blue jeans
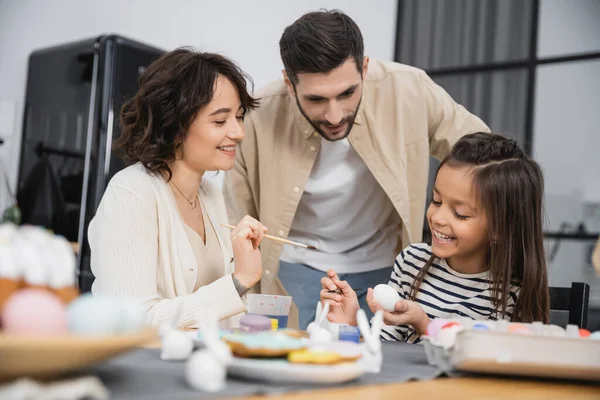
[(303, 283)]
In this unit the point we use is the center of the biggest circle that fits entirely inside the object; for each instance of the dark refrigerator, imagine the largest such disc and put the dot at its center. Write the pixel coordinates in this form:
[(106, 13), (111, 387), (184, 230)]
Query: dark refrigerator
[(74, 96)]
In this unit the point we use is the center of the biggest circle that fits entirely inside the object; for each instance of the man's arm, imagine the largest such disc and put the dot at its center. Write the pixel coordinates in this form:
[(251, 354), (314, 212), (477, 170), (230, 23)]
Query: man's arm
[(448, 121), (240, 185), (596, 257)]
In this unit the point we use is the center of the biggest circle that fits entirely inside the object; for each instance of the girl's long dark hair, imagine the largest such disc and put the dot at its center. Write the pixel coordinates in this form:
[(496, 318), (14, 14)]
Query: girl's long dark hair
[(510, 187)]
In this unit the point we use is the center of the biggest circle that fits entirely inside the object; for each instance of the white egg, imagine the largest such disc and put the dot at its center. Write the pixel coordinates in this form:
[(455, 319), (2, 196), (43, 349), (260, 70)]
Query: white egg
[(386, 297), (554, 330), (133, 315), (93, 315), (595, 335)]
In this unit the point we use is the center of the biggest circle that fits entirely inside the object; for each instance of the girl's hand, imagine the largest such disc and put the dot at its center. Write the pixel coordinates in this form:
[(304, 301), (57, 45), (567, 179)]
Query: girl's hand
[(406, 313), (344, 305)]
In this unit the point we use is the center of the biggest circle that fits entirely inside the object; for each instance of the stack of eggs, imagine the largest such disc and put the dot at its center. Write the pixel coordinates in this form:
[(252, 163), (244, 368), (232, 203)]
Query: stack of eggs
[(443, 332), (38, 291), (33, 258)]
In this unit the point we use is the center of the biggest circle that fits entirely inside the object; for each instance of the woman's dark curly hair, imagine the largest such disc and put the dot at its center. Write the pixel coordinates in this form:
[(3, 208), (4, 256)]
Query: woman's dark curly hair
[(171, 92)]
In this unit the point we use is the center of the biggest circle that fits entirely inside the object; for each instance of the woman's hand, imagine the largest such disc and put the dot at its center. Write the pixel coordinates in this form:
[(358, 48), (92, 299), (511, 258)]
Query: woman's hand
[(245, 239), (406, 313), (344, 305)]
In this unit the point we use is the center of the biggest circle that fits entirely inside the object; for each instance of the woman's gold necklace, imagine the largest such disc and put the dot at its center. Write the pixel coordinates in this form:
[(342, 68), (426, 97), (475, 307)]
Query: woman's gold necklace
[(193, 203)]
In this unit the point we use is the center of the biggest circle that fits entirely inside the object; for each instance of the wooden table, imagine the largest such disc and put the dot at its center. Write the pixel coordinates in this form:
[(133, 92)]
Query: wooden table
[(446, 388), (452, 388)]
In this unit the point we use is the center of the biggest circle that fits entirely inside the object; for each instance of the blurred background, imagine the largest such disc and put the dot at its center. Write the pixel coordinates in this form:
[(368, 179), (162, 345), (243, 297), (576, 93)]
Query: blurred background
[(529, 68)]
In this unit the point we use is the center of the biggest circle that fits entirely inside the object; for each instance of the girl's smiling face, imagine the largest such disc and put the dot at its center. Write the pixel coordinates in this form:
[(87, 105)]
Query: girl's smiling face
[(457, 221)]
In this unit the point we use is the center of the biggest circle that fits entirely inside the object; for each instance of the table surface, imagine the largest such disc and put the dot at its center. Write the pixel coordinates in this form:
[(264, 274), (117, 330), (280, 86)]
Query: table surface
[(453, 388), (448, 388)]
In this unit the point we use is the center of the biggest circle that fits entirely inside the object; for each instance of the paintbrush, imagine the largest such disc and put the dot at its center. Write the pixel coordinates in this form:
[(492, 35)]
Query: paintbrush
[(339, 291), (278, 239)]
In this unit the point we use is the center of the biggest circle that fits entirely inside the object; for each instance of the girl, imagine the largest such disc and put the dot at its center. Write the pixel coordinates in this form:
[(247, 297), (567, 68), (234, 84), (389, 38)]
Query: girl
[(486, 260)]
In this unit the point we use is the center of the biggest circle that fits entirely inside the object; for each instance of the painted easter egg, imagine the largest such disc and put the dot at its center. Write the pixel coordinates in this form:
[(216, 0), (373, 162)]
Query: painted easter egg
[(584, 333), (34, 312)]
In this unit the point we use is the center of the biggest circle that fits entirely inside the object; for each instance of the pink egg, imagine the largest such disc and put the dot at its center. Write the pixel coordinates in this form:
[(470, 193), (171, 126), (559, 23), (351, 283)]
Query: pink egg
[(34, 312), (435, 326), (584, 333), (519, 329)]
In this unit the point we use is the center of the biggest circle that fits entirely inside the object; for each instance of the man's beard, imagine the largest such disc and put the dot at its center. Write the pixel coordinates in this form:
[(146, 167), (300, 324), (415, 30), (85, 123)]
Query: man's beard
[(315, 124)]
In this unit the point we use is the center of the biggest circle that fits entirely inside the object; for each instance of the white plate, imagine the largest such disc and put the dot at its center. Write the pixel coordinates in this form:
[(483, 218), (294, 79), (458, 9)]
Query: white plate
[(281, 371)]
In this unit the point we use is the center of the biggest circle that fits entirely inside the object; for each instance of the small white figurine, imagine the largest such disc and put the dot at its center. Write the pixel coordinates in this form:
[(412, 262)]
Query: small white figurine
[(317, 332), (206, 369), (315, 322), (175, 345), (372, 357)]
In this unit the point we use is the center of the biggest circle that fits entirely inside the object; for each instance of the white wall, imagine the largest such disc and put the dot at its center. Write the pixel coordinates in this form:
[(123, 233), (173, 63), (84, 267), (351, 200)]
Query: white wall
[(566, 132), (247, 31)]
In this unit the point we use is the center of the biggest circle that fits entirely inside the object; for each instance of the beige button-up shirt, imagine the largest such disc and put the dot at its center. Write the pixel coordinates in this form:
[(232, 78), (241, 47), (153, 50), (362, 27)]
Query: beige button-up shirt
[(403, 118), (596, 257)]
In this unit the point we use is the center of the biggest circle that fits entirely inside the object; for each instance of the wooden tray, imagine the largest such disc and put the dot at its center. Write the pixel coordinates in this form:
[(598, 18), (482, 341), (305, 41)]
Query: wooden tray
[(47, 357)]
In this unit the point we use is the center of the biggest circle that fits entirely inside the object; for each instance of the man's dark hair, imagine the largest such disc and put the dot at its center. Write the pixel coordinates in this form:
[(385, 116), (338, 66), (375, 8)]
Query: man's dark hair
[(319, 42)]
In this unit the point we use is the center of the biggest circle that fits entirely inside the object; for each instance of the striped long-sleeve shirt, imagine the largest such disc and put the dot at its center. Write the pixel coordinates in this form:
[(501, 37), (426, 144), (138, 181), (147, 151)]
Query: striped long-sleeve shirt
[(444, 293)]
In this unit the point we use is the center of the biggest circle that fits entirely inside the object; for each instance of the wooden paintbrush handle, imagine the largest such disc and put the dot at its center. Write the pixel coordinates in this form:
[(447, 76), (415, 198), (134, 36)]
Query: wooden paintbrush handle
[(277, 239)]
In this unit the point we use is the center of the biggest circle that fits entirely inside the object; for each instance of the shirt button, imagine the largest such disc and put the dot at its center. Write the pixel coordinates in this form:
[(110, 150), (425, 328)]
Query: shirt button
[(313, 148), (267, 272), (306, 131), (316, 134), (296, 189), (281, 233)]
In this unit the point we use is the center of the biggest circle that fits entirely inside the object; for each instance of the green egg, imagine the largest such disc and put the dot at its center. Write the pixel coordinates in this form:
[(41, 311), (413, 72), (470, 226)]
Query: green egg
[(12, 214)]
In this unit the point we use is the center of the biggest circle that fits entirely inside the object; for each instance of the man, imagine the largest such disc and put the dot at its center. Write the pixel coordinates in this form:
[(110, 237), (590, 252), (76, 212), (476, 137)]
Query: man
[(337, 156)]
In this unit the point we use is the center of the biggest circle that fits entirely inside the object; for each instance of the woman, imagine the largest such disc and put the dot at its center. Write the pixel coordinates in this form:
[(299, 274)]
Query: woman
[(156, 235)]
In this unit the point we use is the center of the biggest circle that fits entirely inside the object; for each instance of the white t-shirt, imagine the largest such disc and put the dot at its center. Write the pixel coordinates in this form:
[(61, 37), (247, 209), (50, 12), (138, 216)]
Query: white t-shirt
[(345, 214)]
